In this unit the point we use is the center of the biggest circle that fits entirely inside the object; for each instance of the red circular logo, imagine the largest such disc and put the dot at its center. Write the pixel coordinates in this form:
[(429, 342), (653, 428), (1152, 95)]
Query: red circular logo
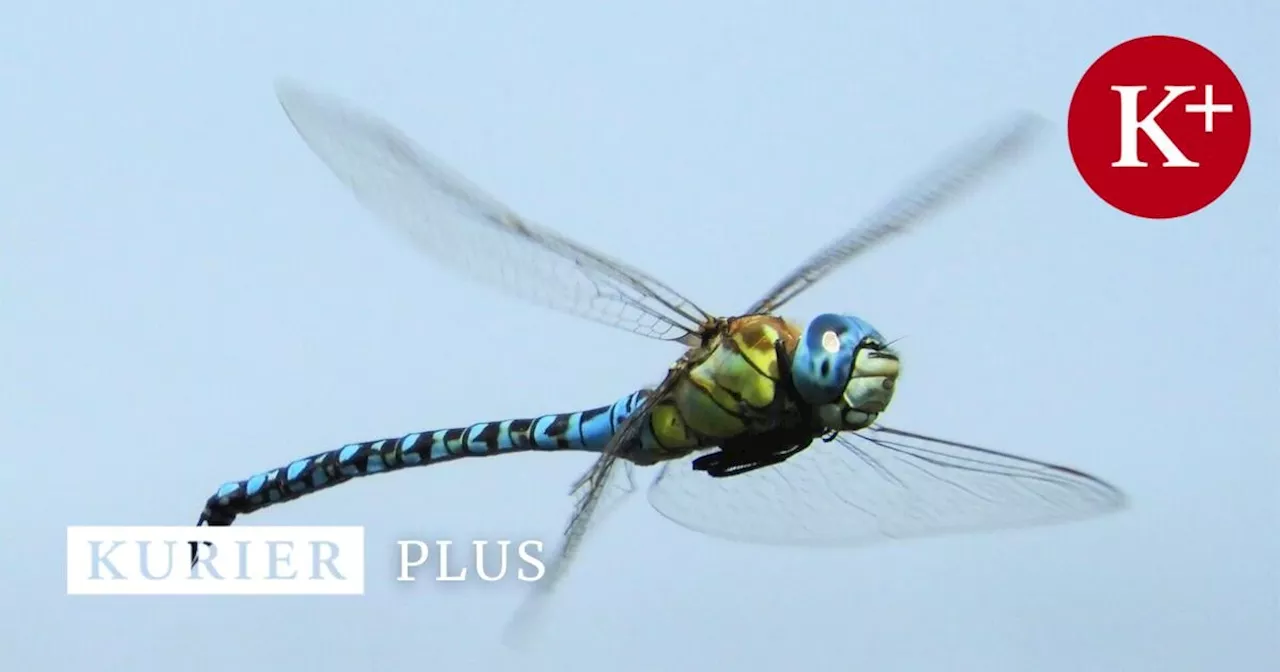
[(1159, 127)]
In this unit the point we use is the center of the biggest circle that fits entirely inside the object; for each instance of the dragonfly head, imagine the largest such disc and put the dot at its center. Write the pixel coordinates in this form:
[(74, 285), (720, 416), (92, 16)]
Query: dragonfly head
[(844, 370)]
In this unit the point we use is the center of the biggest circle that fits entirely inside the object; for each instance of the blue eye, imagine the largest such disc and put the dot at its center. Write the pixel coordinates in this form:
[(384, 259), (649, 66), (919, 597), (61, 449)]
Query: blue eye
[(823, 359)]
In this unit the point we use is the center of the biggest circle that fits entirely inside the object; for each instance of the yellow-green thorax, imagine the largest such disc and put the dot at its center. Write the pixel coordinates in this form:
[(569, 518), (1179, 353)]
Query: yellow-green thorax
[(729, 387)]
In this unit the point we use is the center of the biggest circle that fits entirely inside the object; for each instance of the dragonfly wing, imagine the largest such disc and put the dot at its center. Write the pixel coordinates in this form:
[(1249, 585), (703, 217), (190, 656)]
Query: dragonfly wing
[(460, 226), (944, 183), (599, 491), (595, 505), (880, 483)]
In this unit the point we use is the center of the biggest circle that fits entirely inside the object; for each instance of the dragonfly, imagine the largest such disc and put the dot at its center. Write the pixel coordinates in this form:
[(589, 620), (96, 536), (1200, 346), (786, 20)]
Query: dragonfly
[(764, 430)]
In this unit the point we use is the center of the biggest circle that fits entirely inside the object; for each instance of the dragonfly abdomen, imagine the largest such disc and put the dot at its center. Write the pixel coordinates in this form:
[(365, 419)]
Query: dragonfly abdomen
[(588, 430)]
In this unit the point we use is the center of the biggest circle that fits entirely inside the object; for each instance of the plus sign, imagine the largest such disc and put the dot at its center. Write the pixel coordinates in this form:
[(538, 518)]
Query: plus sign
[(1207, 108)]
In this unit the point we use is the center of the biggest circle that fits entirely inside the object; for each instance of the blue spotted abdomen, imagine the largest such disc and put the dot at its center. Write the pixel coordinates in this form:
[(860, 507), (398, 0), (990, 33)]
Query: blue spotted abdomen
[(589, 430)]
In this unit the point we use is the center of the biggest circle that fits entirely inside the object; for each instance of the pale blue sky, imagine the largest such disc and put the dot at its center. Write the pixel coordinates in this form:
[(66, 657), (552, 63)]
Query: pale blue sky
[(189, 297)]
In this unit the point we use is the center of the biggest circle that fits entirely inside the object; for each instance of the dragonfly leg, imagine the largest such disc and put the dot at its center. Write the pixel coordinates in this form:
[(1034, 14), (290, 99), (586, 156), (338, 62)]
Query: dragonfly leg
[(738, 456)]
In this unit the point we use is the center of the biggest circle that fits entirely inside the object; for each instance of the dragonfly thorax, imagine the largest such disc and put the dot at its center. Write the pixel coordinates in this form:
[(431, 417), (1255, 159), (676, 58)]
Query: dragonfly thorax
[(844, 371)]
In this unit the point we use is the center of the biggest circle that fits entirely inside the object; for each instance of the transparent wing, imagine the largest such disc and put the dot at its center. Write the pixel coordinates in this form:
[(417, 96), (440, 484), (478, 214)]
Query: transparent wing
[(880, 483), (944, 183), (595, 504), (599, 491), (460, 226)]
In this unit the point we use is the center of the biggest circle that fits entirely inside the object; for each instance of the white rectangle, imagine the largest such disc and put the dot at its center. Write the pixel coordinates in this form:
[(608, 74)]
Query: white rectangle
[(249, 560)]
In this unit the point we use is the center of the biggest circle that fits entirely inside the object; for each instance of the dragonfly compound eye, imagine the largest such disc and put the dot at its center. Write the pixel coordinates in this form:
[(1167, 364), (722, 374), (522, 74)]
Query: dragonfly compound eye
[(823, 360)]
